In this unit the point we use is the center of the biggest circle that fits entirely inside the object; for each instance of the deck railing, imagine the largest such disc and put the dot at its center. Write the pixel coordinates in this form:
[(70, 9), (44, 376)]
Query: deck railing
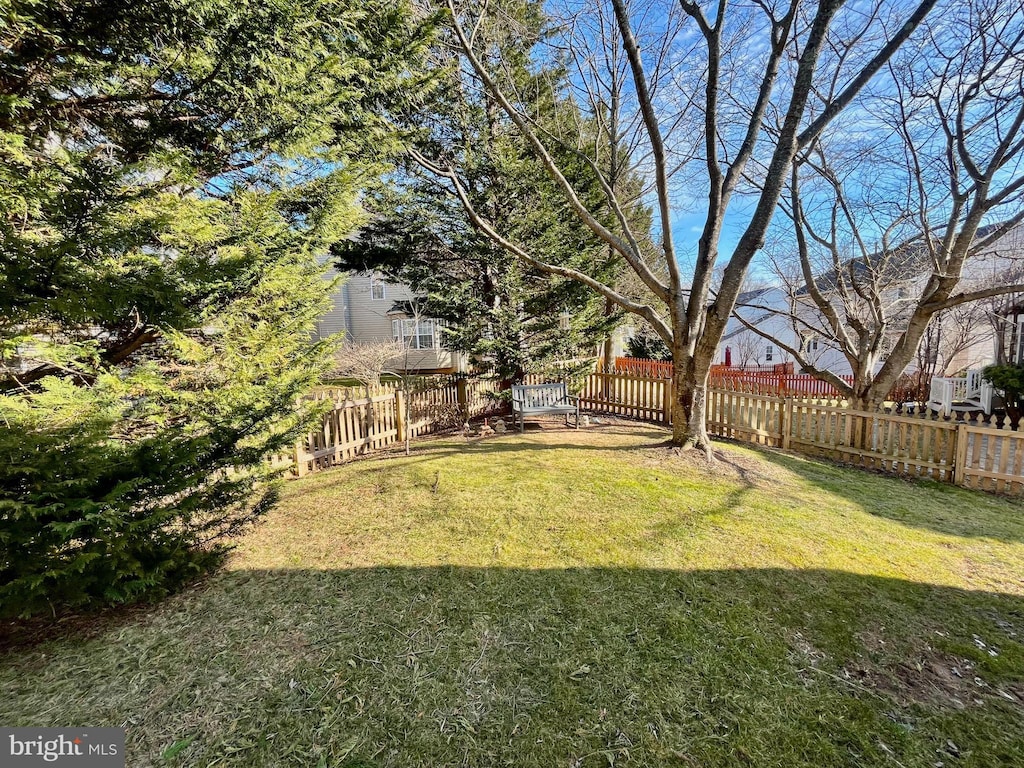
[(964, 393)]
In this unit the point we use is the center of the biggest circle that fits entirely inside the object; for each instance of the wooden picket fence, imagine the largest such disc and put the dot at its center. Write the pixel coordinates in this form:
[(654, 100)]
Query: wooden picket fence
[(779, 380), (660, 369), (779, 384), (649, 399), (976, 453), (638, 366), (979, 453), (989, 458), (356, 421)]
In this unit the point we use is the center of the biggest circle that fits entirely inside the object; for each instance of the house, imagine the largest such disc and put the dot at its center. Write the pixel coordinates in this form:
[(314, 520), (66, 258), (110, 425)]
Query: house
[(369, 308), (1012, 338), (958, 339), (769, 310)]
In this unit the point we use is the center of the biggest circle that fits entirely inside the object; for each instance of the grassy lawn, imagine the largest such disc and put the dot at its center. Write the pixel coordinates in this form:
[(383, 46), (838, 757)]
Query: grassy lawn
[(573, 599)]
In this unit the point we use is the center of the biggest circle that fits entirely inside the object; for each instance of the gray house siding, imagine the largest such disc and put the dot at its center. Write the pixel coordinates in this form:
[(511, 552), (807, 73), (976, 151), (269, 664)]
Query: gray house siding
[(335, 320), (364, 310)]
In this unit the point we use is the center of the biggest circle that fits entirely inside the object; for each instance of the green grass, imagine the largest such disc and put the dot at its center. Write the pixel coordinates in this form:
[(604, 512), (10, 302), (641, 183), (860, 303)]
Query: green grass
[(573, 598)]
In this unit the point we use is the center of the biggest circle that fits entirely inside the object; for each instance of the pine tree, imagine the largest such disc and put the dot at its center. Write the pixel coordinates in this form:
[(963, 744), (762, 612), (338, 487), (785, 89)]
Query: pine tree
[(499, 310), (170, 173)]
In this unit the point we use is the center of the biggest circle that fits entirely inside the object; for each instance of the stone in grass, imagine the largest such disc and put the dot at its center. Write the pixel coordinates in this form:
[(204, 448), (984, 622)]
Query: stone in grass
[(499, 426)]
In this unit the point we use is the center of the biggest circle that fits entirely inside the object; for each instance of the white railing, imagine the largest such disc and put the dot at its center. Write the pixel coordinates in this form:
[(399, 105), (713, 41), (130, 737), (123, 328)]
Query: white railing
[(940, 395), (961, 393), (974, 382), (987, 393)]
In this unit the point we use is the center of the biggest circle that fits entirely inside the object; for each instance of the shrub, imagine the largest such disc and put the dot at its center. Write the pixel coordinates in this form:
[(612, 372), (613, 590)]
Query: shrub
[(170, 172), (647, 345), (1010, 379), (128, 486)]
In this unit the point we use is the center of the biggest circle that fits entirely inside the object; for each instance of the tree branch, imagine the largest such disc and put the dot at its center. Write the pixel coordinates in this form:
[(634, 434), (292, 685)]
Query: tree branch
[(646, 312), (880, 59), (654, 133)]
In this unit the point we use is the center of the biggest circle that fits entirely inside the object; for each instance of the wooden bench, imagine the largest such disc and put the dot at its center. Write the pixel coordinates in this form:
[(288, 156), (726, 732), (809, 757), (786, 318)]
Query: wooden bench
[(543, 400)]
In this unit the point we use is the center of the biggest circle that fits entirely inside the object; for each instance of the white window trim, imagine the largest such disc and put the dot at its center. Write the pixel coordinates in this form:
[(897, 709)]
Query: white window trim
[(375, 282), (1018, 352), (415, 328)]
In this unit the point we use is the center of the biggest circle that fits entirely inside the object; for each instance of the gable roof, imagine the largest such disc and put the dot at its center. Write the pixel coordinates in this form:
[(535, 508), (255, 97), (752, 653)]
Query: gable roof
[(745, 298), (903, 262)]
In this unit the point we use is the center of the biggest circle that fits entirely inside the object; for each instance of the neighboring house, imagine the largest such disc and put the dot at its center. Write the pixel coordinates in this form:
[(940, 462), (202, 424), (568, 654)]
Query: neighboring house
[(1013, 335), (769, 310), (368, 308), (967, 337)]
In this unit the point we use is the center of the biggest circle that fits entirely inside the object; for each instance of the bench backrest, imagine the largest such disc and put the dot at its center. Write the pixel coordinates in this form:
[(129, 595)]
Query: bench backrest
[(539, 395)]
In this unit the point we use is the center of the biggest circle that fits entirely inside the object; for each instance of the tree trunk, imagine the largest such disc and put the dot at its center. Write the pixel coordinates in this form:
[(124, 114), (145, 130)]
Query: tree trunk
[(606, 353), (863, 404), (689, 407)]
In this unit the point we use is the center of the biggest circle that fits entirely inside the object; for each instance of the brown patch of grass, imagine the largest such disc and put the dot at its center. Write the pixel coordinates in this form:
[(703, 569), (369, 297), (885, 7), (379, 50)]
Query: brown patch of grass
[(723, 464), (931, 678)]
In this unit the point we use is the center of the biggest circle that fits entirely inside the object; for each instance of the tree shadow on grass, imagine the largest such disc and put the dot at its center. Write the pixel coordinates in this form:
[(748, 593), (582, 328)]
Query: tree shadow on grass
[(451, 666), (916, 502), (919, 503)]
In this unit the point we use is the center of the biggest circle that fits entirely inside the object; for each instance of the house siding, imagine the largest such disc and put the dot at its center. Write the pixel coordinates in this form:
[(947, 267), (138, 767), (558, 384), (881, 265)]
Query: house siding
[(364, 319), (1001, 262), (335, 319)]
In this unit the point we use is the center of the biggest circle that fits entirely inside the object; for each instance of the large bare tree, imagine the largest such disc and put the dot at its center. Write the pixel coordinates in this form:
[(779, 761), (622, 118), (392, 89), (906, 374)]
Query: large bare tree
[(716, 102), (906, 222)]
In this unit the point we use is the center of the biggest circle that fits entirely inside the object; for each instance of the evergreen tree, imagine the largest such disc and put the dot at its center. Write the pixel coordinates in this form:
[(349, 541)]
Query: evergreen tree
[(497, 308), (647, 345), (170, 172)]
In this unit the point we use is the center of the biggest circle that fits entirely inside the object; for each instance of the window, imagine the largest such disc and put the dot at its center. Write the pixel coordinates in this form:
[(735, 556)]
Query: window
[(376, 287), (416, 334), (768, 352)]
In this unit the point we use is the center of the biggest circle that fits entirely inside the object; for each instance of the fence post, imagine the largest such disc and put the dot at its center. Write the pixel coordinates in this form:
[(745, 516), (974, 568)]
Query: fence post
[(300, 456), (400, 424), (785, 419), (667, 396), (959, 477), (462, 397)]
